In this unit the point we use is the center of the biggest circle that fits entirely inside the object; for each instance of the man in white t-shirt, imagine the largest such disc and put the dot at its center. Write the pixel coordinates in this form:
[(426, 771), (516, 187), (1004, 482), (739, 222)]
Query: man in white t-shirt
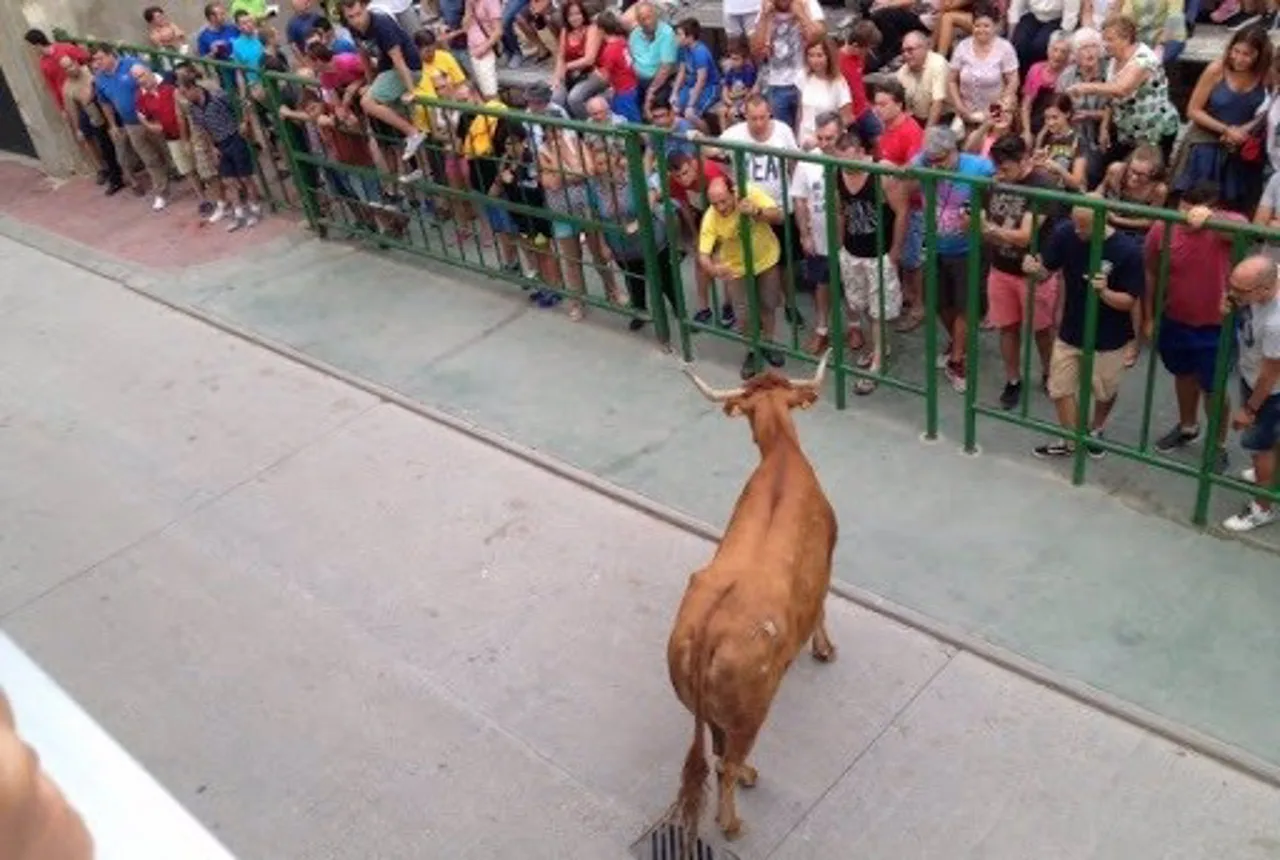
[(784, 28), (808, 189), (1254, 290)]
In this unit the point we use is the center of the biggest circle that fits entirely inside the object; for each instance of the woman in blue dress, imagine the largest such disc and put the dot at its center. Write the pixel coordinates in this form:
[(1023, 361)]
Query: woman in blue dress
[(1220, 146)]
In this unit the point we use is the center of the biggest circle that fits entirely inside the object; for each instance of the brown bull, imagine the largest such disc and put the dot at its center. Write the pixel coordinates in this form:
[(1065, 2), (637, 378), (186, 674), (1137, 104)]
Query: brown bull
[(748, 613)]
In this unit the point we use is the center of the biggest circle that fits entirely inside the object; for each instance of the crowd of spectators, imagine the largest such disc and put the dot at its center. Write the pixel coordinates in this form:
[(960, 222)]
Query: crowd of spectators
[(1068, 95)]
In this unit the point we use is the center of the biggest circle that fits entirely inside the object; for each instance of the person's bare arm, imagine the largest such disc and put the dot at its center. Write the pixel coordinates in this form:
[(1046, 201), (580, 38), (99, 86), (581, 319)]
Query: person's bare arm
[(953, 89), (895, 195)]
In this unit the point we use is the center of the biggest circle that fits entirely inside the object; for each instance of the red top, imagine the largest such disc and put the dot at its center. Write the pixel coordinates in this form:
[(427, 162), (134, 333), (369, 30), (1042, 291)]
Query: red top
[(159, 105), (344, 70), (696, 197), (575, 45), (1199, 266), (902, 142), (50, 66), (851, 66), (348, 147), (614, 65)]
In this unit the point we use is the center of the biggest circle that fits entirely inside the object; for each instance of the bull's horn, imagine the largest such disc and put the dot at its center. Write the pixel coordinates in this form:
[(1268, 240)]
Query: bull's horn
[(712, 394), (816, 382)]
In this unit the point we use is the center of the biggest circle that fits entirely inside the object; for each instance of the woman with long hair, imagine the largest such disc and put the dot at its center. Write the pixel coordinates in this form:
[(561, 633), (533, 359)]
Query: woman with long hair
[(823, 89), (1220, 146), (572, 81)]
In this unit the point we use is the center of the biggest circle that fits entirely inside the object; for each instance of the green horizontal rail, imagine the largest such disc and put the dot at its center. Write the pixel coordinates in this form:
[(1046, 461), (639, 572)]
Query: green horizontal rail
[(317, 205)]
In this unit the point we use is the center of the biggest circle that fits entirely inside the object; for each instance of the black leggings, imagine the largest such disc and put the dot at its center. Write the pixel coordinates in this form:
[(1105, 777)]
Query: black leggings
[(634, 271)]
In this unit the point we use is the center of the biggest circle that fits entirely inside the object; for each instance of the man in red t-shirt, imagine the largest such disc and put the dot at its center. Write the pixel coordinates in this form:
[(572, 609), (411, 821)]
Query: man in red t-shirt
[(688, 177), (900, 142), (51, 55), (1199, 269)]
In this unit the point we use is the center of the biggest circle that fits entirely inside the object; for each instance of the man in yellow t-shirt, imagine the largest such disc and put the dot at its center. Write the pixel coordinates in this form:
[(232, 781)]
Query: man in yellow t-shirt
[(721, 255)]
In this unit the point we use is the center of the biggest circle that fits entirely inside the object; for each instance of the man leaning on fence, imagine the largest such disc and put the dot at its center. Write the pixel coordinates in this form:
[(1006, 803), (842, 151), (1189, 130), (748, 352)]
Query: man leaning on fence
[(1119, 285), (1254, 291)]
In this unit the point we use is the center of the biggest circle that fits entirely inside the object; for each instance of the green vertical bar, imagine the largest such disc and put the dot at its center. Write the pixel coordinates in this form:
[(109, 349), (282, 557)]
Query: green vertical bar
[(310, 207), (882, 328), (930, 307), (1157, 306), (1028, 326), (748, 261), (1085, 398), (1209, 454), (973, 312), (644, 214), (673, 242), (836, 324)]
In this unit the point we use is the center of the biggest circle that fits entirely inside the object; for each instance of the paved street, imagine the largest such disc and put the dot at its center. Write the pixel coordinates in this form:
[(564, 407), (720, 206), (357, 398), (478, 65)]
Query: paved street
[(334, 629)]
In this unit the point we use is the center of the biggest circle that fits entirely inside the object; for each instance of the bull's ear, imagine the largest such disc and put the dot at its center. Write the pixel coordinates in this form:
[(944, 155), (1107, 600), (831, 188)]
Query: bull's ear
[(802, 398)]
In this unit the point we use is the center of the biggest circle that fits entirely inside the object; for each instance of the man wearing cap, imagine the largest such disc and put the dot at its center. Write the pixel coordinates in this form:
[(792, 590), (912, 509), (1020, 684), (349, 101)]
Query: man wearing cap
[(952, 205)]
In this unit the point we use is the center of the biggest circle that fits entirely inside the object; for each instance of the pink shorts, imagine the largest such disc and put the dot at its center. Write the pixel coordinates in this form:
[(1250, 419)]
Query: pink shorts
[(1007, 300)]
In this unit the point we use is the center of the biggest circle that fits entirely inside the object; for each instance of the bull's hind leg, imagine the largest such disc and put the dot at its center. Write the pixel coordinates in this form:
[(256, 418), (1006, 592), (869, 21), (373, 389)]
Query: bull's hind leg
[(735, 769), (747, 774), (823, 649)]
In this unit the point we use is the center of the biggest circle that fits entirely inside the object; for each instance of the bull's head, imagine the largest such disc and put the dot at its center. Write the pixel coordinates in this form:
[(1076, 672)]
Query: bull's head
[(771, 388)]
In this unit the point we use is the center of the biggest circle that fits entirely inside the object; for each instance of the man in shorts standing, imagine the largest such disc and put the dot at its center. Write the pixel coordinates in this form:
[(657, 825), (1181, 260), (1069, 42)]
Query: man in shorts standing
[(1191, 319), (212, 113), (1119, 285), (1254, 290), (398, 68), (1007, 225)]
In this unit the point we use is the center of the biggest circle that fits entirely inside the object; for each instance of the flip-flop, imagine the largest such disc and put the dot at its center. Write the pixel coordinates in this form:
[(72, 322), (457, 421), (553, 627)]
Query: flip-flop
[(864, 387)]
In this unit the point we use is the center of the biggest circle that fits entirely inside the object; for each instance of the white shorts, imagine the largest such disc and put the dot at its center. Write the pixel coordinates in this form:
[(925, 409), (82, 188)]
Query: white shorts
[(861, 278), (486, 74)]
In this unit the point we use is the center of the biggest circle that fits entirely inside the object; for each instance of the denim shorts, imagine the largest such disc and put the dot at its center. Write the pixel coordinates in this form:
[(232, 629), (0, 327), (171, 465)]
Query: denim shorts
[(1264, 433)]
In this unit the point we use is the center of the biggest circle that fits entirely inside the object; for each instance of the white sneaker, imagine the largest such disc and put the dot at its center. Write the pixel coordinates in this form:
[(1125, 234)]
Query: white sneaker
[(238, 220), (411, 144), (409, 178), (1250, 474), (159, 204), (219, 212), (255, 215), (1253, 516)]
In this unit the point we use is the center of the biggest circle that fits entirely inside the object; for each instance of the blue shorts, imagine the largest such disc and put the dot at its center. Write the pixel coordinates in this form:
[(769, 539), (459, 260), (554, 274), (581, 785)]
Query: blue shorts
[(627, 105), (913, 244), (235, 161), (500, 220), (1190, 350), (709, 96), (1264, 433), (817, 269)]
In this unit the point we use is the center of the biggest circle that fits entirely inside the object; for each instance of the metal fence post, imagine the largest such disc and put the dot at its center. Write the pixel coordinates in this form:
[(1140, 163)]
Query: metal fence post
[(644, 214)]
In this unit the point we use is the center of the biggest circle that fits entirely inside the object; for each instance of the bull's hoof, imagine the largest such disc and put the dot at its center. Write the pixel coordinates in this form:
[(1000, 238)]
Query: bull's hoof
[(731, 829), (824, 655), (747, 776)]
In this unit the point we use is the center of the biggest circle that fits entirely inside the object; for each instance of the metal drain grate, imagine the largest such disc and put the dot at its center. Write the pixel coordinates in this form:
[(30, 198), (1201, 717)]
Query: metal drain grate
[(663, 841)]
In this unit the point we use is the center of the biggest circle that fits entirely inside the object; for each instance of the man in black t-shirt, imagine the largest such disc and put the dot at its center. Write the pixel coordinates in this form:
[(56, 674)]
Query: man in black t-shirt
[(399, 66), (1008, 219), (1119, 284)]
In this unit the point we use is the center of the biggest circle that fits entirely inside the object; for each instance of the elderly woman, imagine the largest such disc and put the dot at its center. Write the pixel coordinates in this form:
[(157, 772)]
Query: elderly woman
[(618, 206), (1222, 111), (1041, 83), (1090, 111), (984, 69), (1138, 91)]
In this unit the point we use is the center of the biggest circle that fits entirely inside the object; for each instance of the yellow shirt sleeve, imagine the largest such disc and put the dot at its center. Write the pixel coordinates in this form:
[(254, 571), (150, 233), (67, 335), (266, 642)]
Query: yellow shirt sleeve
[(424, 90), (707, 232), (757, 196), (446, 62)]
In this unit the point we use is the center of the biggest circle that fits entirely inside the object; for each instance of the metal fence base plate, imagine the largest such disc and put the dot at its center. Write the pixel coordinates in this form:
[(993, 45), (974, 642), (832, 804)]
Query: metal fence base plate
[(665, 840)]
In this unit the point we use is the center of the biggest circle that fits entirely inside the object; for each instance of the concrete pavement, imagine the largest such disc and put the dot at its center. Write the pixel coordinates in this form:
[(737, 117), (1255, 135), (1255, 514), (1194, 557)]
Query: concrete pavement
[(333, 629)]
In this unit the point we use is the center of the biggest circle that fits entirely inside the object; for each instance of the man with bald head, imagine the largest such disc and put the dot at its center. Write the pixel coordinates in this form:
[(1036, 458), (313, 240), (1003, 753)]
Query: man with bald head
[(36, 822), (722, 254), (1254, 293), (1118, 285)]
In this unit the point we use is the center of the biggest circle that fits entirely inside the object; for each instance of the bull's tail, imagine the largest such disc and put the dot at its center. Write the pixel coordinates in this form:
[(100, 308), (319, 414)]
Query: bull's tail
[(693, 777)]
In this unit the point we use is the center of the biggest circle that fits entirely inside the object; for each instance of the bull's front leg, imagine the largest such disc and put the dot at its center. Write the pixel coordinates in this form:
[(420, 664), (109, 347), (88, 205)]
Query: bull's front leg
[(823, 649)]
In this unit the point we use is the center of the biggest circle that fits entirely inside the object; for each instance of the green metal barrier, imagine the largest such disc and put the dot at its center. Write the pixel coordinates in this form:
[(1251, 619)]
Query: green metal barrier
[(330, 205)]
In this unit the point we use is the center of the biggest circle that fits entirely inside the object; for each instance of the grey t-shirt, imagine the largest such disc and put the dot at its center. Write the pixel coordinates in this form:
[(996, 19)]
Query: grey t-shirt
[(1258, 330)]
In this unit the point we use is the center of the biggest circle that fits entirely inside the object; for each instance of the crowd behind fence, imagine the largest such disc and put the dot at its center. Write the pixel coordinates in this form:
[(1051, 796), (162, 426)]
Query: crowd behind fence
[(600, 225)]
